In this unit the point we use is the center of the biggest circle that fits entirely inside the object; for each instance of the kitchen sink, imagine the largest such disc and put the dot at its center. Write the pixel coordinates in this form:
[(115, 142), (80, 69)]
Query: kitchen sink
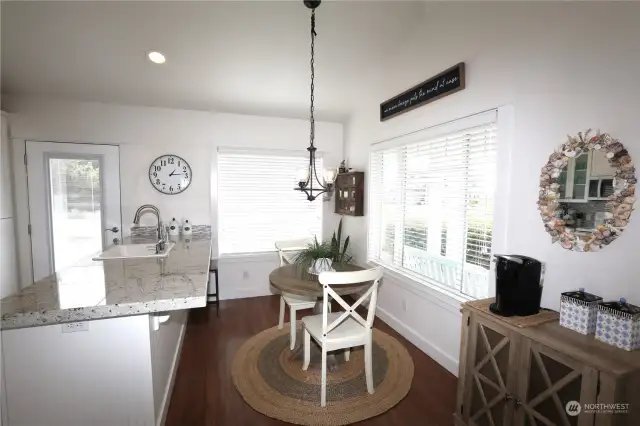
[(134, 251)]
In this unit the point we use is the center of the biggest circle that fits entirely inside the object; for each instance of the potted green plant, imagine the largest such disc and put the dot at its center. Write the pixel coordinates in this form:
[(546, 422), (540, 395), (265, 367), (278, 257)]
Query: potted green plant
[(339, 251), (318, 256)]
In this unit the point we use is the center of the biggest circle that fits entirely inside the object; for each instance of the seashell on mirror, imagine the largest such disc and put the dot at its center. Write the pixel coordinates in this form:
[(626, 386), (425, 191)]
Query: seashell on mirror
[(587, 192)]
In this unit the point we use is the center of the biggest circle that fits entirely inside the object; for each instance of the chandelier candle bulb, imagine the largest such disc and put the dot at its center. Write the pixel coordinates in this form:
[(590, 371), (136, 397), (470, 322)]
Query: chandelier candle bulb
[(330, 176), (303, 175)]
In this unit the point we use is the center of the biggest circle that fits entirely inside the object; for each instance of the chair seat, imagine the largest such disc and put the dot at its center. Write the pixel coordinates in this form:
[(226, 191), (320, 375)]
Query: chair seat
[(299, 301), (349, 331)]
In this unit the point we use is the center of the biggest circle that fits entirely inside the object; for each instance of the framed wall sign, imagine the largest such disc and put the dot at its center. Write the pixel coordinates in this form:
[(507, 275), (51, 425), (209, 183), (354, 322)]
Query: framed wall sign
[(446, 83)]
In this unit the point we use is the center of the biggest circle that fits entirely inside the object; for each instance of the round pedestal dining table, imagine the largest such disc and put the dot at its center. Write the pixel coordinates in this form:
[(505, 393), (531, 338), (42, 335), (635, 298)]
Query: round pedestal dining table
[(292, 279)]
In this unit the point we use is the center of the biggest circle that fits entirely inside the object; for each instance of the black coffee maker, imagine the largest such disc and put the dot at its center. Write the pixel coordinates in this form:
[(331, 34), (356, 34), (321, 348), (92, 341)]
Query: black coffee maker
[(518, 285)]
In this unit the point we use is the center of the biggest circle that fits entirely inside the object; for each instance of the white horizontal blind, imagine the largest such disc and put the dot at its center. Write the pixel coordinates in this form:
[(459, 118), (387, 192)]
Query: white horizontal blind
[(257, 203), (431, 206)]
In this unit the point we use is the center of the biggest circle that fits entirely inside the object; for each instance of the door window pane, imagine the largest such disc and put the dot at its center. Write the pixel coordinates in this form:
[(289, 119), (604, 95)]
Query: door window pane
[(76, 211)]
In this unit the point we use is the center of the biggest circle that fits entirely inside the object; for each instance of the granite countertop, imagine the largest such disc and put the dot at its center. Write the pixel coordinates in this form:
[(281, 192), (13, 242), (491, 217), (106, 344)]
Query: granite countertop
[(114, 288)]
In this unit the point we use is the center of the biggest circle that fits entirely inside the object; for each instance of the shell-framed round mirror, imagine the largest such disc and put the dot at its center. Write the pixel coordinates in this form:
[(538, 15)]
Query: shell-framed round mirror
[(587, 192)]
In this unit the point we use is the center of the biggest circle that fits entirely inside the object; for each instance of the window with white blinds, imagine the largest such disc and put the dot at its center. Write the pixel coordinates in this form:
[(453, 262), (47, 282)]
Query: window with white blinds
[(431, 204), (257, 205)]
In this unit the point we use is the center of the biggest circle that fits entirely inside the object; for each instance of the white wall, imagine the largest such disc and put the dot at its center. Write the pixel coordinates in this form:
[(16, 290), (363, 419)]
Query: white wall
[(145, 133), (563, 67), (142, 133)]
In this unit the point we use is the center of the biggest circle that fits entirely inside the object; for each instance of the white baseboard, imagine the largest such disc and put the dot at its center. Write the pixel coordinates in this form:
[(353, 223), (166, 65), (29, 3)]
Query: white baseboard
[(441, 357), (166, 399)]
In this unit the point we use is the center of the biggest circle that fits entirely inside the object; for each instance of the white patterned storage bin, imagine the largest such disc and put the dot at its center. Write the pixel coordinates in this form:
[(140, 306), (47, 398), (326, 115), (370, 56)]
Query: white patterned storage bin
[(579, 311), (619, 324)]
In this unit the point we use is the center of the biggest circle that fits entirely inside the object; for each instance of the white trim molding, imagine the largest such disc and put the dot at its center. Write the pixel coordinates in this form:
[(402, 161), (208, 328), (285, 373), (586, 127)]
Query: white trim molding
[(440, 356)]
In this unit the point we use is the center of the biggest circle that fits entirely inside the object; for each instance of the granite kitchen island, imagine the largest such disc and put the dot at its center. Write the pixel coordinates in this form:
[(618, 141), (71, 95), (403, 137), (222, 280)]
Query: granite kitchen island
[(98, 343)]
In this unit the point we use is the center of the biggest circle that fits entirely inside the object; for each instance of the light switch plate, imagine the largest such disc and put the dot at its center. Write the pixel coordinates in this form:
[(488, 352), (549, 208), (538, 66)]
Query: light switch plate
[(74, 327)]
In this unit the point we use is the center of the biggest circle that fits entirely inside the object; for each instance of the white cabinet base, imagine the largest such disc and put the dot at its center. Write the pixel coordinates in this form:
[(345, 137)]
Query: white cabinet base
[(116, 372)]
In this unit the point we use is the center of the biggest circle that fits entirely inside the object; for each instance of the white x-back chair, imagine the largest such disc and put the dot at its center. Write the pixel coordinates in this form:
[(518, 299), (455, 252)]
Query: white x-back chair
[(295, 302), (343, 330)]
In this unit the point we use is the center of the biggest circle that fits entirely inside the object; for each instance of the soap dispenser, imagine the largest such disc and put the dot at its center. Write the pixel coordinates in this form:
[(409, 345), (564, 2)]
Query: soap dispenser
[(174, 229), (187, 230)]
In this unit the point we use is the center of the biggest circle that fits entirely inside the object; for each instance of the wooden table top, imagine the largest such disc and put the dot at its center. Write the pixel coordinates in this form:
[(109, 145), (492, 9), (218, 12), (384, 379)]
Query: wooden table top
[(293, 280)]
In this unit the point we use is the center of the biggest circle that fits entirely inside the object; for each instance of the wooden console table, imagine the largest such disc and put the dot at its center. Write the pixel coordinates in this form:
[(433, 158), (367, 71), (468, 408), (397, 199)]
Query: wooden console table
[(527, 376)]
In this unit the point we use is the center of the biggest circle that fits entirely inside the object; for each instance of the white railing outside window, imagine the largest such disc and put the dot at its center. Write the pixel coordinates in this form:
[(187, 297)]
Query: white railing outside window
[(431, 204), (257, 205)]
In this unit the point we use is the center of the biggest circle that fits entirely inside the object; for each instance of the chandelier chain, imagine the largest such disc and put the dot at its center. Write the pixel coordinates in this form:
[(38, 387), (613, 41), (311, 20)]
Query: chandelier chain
[(313, 74), (307, 186)]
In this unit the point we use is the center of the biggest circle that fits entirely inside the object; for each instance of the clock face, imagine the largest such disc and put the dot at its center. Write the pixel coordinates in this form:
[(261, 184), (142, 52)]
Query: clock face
[(170, 174)]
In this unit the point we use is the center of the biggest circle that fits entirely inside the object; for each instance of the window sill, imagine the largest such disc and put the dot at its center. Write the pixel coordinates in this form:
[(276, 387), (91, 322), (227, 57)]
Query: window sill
[(449, 300)]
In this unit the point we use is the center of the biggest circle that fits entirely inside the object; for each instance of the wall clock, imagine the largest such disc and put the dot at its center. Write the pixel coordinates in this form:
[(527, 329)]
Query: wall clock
[(170, 174)]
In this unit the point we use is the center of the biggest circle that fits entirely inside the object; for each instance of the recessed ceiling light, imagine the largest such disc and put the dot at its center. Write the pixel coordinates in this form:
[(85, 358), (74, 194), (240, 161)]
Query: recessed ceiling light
[(156, 57)]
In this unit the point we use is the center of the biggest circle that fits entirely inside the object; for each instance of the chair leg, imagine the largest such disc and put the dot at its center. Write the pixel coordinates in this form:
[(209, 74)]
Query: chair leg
[(368, 364), (323, 388), (307, 349), (347, 351), (281, 319), (292, 319)]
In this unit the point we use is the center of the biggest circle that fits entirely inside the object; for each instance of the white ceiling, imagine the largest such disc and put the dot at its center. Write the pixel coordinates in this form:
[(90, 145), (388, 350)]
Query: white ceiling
[(245, 57)]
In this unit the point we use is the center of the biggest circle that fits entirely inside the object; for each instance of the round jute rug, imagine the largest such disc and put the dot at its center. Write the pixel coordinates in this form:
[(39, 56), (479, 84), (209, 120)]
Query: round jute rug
[(270, 379)]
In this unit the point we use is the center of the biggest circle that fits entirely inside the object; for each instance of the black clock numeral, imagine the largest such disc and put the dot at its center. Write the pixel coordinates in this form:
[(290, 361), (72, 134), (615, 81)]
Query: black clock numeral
[(177, 166)]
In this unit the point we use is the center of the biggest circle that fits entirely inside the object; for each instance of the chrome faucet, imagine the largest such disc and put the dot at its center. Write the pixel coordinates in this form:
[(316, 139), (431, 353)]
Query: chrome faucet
[(160, 246), (136, 218)]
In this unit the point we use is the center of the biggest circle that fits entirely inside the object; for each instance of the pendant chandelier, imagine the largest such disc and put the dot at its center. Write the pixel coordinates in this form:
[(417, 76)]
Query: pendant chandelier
[(308, 180)]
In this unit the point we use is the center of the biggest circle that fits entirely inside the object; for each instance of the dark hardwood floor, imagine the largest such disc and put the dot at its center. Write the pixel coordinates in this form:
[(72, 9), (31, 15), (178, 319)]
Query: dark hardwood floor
[(204, 393)]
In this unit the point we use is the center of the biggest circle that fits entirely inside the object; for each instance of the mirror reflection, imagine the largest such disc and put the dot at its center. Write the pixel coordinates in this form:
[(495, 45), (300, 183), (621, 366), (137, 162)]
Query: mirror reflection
[(585, 184)]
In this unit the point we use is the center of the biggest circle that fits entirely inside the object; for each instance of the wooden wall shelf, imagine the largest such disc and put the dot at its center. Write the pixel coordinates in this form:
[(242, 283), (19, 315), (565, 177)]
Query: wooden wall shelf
[(350, 194)]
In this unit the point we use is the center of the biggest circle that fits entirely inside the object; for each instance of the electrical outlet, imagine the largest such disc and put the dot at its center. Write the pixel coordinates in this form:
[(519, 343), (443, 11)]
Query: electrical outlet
[(74, 327)]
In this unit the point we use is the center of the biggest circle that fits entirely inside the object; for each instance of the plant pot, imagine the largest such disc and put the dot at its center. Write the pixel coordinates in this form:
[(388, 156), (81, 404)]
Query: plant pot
[(321, 265)]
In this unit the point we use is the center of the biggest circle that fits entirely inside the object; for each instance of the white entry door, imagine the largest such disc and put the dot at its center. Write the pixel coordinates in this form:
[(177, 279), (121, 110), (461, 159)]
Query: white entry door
[(74, 202)]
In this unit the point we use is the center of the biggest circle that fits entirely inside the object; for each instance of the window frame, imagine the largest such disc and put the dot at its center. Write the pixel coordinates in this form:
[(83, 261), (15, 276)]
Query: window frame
[(503, 117), (216, 178)]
